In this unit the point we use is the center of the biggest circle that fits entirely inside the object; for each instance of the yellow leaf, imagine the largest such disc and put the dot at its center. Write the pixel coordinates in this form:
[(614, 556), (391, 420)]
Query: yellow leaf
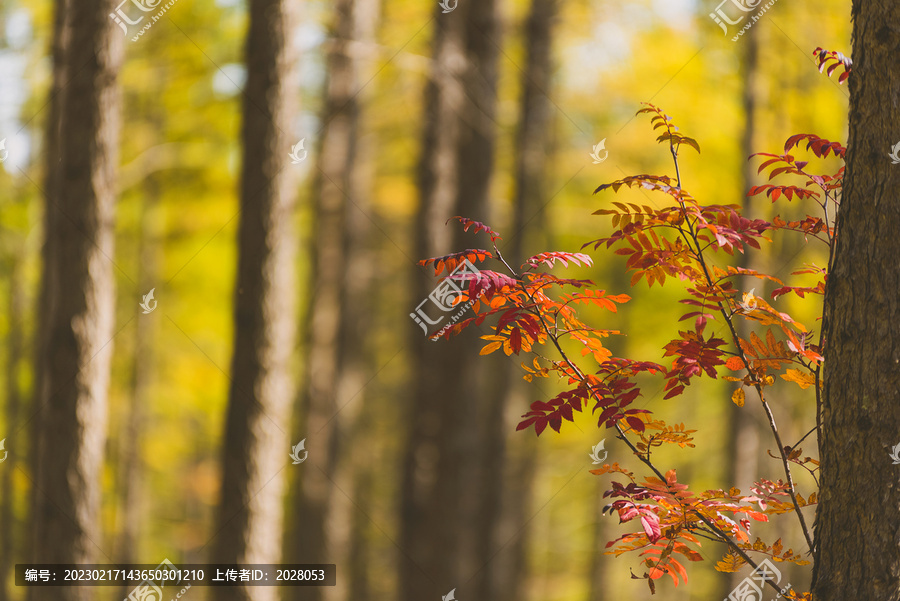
[(777, 547), (730, 563), (738, 397), (803, 380), (490, 348)]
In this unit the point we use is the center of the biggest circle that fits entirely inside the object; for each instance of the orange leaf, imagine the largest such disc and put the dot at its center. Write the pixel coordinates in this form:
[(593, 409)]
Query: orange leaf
[(735, 364)]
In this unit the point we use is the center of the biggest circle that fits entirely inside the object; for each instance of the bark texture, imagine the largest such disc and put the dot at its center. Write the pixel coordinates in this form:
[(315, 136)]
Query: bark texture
[(256, 446), (78, 298), (858, 519)]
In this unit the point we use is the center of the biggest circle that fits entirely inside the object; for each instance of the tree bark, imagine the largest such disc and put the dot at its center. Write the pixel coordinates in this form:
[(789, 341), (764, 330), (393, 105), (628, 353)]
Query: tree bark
[(79, 296), (256, 446), (858, 516), (442, 446), (337, 321)]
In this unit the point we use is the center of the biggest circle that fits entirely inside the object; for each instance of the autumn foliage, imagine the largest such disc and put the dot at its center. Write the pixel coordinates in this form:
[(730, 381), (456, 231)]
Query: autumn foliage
[(531, 309)]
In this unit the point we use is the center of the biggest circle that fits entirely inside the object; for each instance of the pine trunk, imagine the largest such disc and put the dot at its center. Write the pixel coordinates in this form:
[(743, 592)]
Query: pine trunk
[(256, 445), (858, 517), (78, 299)]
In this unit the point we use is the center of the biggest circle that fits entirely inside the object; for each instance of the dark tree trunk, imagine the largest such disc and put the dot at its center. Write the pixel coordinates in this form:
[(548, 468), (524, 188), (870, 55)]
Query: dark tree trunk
[(79, 299), (337, 321), (256, 445), (858, 519), (439, 493)]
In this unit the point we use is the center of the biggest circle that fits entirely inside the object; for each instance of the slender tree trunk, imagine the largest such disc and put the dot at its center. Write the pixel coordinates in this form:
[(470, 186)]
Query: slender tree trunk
[(743, 443), (358, 560), (337, 319), (858, 517), (131, 506), (256, 446), (599, 588), (744, 440), (346, 514), (76, 341), (436, 533), (508, 473), (9, 537), (52, 154)]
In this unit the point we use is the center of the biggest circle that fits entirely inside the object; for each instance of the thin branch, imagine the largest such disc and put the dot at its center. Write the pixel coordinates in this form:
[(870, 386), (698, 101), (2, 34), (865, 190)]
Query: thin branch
[(735, 338)]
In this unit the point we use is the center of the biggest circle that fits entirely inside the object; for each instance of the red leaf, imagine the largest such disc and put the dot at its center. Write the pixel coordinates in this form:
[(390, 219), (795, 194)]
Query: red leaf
[(651, 526), (635, 423), (477, 225)]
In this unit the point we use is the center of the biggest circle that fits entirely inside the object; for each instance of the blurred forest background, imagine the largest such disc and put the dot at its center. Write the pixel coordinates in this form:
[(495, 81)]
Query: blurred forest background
[(284, 288)]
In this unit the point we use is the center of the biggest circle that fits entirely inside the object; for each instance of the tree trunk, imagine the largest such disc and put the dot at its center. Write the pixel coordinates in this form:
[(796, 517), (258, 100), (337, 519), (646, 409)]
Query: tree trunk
[(52, 154), (743, 442), (10, 535), (256, 446), (442, 448), (76, 341), (858, 517), (338, 316), (131, 505), (509, 471)]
